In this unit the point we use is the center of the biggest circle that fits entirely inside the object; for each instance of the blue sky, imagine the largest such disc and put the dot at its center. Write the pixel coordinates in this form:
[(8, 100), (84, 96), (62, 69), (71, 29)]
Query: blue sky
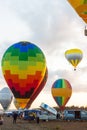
[(54, 26)]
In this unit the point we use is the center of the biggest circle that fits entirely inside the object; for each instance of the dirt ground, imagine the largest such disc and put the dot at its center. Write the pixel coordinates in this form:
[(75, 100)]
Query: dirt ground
[(48, 125)]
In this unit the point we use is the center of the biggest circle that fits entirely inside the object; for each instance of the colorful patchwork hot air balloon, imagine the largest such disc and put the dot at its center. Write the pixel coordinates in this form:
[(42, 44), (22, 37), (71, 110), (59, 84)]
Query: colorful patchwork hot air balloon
[(61, 91), (24, 67), (74, 56), (80, 7)]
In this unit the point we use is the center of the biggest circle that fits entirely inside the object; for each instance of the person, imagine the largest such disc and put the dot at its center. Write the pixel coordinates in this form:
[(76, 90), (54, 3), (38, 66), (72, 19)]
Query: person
[(85, 31), (15, 117), (58, 116), (1, 120), (37, 118)]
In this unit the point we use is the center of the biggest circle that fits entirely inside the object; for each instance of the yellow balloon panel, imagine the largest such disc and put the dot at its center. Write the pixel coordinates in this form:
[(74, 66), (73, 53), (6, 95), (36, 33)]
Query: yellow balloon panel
[(61, 92), (76, 3), (73, 51), (22, 102)]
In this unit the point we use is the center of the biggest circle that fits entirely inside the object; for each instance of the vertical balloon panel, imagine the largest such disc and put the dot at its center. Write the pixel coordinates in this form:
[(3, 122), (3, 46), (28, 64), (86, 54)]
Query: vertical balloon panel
[(24, 67)]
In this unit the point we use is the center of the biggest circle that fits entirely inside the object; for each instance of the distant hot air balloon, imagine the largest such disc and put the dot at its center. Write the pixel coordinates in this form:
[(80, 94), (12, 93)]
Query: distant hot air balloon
[(36, 93), (61, 91), (74, 56), (24, 67), (80, 7), (6, 97)]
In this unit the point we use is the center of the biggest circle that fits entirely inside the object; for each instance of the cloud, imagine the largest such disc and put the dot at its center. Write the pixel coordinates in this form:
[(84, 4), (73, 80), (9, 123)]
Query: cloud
[(46, 20)]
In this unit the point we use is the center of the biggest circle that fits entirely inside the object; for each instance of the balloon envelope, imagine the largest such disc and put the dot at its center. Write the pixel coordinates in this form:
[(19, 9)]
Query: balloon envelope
[(74, 56), (5, 98), (80, 7), (61, 91), (24, 67)]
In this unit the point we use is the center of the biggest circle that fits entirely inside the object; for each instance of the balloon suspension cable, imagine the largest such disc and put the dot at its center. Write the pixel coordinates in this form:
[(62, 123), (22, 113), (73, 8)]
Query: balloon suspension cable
[(74, 69), (85, 26), (85, 31)]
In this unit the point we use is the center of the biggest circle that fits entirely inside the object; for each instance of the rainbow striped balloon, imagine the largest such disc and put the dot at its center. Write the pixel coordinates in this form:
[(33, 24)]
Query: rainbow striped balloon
[(61, 92), (24, 67)]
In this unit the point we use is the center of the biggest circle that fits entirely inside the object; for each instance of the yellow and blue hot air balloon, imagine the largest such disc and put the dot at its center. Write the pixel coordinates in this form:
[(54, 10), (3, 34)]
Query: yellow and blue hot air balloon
[(61, 91), (24, 68), (74, 56)]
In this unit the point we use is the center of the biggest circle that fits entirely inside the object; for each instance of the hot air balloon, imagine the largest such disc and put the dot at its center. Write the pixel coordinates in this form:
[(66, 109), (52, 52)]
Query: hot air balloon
[(23, 67), (80, 7), (61, 91), (6, 97), (74, 56), (36, 93)]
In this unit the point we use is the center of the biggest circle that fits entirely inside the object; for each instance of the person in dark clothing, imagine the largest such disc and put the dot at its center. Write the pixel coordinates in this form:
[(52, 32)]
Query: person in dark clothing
[(15, 117), (37, 119), (58, 116)]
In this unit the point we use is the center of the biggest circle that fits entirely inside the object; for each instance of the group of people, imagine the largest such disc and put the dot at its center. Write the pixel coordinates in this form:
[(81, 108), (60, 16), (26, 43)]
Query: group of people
[(15, 115)]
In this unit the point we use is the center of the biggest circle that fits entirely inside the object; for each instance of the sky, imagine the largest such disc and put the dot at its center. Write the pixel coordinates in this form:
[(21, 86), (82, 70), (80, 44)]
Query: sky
[(54, 26)]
